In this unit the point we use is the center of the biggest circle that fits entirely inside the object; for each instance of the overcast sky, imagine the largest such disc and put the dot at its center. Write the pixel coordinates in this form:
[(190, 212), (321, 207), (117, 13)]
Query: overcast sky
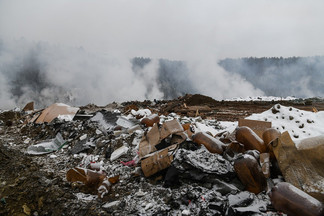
[(170, 28)]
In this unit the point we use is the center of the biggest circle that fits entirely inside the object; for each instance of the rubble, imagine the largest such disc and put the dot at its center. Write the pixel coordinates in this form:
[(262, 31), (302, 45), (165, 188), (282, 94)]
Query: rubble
[(111, 161)]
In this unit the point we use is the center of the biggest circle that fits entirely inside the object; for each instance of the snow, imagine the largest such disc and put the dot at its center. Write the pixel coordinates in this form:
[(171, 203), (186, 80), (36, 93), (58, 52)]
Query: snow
[(141, 112), (65, 117), (262, 98), (309, 143), (299, 123), (204, 128)]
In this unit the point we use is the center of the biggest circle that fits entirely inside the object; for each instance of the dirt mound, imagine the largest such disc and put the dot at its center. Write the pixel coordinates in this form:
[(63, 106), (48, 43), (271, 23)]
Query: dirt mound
[(197, 99)]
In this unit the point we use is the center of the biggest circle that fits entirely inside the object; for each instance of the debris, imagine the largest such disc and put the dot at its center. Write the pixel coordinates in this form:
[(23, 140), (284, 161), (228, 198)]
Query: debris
[(26, 209), (265, 164), (314, 110), (250, 173), (182, 175), (154, 137), (129, 163), (170, 127), (150, 120), (106, 119), (47, 147), (200, 163), (212, 144), (257, 126), (186, 212), (250, 140), (133, 129), (112, 205), (268, 136), (94, 182), (158, 161), (293, 201), (81, 146), (171, 177), (118, 152), (57, 110), (29, 107), (124, 122), (301, 168), (233, 149)]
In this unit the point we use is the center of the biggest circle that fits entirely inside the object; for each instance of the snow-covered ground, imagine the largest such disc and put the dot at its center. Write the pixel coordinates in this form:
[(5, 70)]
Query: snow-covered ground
[(262, 98)]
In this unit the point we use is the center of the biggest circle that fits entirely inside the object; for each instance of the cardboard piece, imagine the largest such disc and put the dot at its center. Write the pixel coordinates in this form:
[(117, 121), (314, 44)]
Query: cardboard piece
[(29, 107), (156, 135), (90, 178), (145, 147), (57, 110), (301, 168), (170, 127), (153, 136), (257, 126), (158, 161)]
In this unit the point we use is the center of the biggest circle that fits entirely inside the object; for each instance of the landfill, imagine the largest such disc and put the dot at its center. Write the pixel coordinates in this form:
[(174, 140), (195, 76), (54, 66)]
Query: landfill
[(189, 156)]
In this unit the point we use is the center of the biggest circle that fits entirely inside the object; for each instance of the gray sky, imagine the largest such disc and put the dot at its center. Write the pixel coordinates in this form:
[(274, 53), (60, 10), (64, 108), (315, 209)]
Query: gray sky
[(170, 28)]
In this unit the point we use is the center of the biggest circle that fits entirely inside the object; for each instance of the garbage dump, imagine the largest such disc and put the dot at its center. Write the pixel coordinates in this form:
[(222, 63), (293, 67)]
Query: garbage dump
[(152, 158)]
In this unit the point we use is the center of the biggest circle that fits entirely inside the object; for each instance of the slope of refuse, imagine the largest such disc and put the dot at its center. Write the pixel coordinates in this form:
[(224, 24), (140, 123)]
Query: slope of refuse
[(102, 161)]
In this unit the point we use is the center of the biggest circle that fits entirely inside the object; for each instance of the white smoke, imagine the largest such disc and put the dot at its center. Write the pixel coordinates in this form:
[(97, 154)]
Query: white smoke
[(113, 32)]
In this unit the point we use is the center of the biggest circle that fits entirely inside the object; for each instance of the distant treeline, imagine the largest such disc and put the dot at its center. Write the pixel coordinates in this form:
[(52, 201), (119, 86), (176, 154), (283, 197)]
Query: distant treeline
[(172, 76), (294, 76), (275, 76)]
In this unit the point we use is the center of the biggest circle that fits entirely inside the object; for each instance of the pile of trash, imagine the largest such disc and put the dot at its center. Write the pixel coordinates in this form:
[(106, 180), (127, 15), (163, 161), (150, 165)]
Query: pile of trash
[(131, 160)]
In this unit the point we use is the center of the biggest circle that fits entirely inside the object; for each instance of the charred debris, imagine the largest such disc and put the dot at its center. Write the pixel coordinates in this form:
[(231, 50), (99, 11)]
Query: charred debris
[(155, 158)]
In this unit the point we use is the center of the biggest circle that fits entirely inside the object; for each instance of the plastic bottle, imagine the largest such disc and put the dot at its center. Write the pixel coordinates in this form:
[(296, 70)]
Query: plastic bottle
[(150, 120), (212, 144), (250, 139), (249, 172), (292, 201)]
